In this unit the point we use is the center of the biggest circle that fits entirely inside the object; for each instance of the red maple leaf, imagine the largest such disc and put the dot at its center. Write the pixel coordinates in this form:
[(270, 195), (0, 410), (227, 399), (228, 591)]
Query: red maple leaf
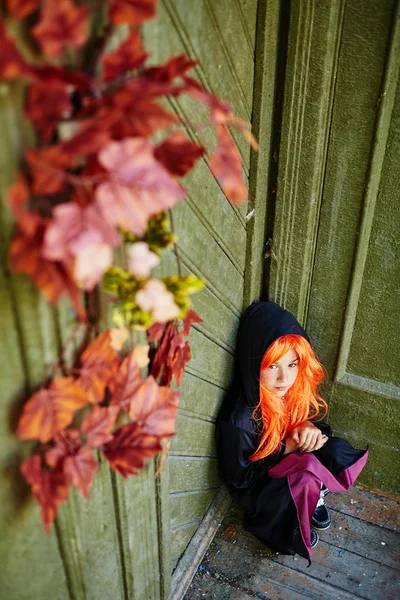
[(178, 154), (221, 111), (155, 332), (160, 357), (226, 167), (46, 105), (191, 317), (99, 424), (131, 11), (179, 354), (139, 186), (65, 443), (12, 63), (53, 74), (127, 56), (48, 166), (125, 382), (155, 408), (138, 116), (129, 449), (48, 487), (79, 469), (61, 24), (98, 363), (50, 410), (176, 66), (19, 9), (17, 199)]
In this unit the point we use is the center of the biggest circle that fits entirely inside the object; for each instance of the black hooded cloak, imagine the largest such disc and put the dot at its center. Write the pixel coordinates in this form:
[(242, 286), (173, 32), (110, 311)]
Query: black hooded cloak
[(279, 494)]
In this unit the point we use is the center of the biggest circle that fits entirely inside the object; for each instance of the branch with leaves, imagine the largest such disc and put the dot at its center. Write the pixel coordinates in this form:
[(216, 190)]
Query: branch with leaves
[(104, 175)]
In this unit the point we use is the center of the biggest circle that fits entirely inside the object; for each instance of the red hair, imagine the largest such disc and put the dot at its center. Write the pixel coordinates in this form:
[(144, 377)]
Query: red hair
[(302, 401)]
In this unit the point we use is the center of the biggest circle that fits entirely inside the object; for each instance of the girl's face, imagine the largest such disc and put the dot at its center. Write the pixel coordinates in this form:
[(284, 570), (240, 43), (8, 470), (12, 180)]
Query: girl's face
[(281, 375)]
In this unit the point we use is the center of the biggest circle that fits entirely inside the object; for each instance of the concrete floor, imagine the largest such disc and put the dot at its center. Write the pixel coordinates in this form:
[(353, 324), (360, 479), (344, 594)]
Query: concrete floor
[(358, 557)]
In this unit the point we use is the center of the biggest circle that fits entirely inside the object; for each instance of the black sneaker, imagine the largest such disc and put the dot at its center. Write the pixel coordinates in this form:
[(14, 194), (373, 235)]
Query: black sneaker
[(321, 519), (314, 538)]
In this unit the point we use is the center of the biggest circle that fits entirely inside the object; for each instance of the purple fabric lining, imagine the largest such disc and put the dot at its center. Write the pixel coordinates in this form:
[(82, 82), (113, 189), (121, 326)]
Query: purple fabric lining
[(305, 474)]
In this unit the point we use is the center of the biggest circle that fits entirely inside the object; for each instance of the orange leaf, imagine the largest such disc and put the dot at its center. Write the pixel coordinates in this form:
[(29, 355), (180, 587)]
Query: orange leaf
[(79, 469), (127, 56), (155, 408), (48, 487), (131, 11), (61, 24), (125, 382), (50, 410), (99, 424), (129, 449), (226, 166), (98, 363)]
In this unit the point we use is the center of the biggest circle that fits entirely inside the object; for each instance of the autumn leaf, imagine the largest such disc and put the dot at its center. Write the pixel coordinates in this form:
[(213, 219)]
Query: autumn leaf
[(136, 114), (131, 11), (220, 111), (178, 154), (177, 363), (191, 317), (48, 487), (46, 105), (66, 442), (176, 66), (129, 449), (74, 459), (155, 332), (51, 278), (62, 24), (226, 166), (79, 469), (98, 425), (19, 9), (125, 382), (48, 166), (155, 408), (17, 199), (55, 74), (139, 186), (98, 363), (127, 56), (50, 410), (12, 63), (163, 348), (82, 236)]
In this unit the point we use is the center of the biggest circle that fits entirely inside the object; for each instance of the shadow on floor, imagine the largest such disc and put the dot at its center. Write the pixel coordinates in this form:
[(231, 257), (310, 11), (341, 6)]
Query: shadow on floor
[(358, 557)]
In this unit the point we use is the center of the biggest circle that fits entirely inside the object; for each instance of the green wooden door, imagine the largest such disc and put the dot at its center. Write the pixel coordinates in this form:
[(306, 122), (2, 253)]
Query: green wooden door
[(336, 244)]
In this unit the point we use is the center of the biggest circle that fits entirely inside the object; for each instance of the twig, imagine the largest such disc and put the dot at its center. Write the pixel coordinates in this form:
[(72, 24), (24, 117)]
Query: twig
[(178, 260)]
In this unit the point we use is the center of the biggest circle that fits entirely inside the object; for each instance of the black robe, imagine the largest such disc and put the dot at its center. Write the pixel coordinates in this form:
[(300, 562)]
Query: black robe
[(279, 494)]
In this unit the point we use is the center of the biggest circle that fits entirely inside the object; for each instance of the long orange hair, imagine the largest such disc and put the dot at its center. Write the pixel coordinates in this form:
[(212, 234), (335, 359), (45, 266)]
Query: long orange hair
[(278, 416)]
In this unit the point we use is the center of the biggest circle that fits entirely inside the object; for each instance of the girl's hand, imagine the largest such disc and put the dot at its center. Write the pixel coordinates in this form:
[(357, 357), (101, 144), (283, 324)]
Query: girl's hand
[(308, 438)]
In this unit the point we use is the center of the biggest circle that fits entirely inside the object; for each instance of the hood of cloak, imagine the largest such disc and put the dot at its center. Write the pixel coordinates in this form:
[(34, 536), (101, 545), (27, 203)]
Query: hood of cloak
[(261, 325)]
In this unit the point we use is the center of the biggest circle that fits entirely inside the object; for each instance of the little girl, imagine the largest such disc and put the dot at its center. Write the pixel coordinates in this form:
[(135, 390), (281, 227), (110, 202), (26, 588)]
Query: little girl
[(278, 460)]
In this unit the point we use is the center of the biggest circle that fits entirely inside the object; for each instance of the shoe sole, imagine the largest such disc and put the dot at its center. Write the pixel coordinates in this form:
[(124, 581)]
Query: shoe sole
[(320, 528), (316, 543)]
